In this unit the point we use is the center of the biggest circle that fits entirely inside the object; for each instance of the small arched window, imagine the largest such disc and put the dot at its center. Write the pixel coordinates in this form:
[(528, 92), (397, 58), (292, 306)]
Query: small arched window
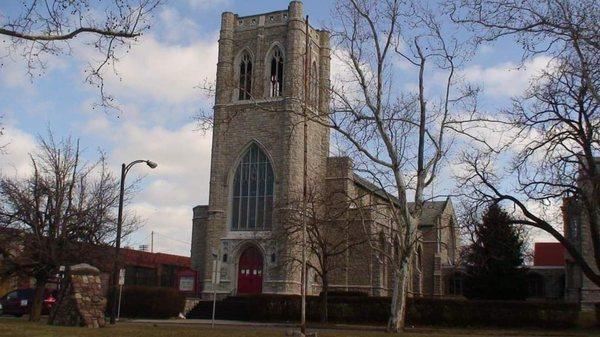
[(245, 76), (252, 202), (276, 73), (314, 85)]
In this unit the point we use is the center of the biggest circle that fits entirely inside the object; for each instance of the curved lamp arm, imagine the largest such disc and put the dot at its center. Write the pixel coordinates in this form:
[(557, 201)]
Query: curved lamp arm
[(150, 164)]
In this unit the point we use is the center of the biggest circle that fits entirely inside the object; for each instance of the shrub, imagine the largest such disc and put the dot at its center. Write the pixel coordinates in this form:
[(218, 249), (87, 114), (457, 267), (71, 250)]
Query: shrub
[(511, 314), (150, 302), (375, 310)]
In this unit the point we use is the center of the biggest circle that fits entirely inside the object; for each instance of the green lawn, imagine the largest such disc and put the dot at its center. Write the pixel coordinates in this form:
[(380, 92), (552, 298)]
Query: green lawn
[(21, 328)]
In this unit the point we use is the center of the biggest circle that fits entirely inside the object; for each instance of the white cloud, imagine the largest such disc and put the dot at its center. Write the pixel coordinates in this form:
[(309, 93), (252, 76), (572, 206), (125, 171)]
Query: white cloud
[(176, 27), (506, 79), (14, 75), (172, 226), (15, 160), (15, 72), (98, 124), (168, 193), (204, 4), (164, 72)]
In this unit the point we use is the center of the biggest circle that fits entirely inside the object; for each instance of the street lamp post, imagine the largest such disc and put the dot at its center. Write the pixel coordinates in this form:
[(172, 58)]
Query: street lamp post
[(115, 271)]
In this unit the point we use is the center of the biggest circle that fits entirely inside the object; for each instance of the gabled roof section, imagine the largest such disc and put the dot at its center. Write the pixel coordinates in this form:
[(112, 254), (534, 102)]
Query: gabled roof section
[(432, 209)]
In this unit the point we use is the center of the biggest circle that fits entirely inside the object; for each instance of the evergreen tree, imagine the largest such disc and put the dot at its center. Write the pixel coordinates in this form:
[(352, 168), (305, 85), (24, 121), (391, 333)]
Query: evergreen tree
[(495, 259)]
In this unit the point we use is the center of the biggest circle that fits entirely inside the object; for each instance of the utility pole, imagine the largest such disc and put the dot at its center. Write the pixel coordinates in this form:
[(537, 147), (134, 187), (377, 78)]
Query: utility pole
[(304, 280), (152, 242)]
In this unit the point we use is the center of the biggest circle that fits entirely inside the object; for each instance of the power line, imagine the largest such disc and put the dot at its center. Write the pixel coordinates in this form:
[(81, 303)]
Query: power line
[(172, 239)]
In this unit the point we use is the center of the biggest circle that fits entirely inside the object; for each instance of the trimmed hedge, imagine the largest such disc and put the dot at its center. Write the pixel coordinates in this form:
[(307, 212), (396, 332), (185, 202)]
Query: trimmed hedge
[(510, 314), (150, 302), (341, 293), (375, 310)]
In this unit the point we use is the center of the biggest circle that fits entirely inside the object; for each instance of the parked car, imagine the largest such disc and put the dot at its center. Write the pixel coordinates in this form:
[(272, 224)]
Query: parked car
[(18, 302)]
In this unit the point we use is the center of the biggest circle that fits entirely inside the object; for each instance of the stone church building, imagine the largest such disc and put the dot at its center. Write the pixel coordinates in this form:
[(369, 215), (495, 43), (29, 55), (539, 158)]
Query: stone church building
[(257, 167)]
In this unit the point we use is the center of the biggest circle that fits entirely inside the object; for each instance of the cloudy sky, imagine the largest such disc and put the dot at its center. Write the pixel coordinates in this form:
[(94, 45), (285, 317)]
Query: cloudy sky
[(157, 88)]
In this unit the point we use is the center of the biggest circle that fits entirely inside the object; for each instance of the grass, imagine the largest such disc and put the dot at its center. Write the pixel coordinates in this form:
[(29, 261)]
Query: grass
[(22, 328)]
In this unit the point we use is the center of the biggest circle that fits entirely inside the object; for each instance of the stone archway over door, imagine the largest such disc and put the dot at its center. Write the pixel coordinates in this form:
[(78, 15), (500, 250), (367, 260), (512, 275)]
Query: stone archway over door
[(250, 271)]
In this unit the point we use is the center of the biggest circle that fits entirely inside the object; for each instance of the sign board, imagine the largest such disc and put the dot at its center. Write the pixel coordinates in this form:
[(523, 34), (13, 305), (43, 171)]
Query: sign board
[(216, 276), (121, 276), (186, 283)]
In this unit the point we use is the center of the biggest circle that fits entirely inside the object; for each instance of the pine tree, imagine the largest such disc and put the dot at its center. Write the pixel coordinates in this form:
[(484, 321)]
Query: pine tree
[(495, 259)]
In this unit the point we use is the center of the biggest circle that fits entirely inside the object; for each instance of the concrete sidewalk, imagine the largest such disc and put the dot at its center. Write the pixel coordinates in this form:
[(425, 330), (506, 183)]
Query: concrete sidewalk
[(220, 322)]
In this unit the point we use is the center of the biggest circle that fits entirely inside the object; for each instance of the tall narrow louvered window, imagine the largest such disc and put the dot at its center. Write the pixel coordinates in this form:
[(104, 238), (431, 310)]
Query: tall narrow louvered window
[(314, 85), (276, 76), (252, 202), (245, 77)]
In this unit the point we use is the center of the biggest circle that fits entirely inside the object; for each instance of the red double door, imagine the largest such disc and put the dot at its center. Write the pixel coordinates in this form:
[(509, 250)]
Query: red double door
[(250, 272)]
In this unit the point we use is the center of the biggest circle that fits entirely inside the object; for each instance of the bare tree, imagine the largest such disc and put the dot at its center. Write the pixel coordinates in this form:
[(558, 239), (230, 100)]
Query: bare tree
[(555, 124), (397, 134), (334, 226), (51, 217), (47, 27)]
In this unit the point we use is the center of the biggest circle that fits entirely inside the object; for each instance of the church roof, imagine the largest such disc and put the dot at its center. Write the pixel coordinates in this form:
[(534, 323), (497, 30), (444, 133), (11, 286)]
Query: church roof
[(432, 210)]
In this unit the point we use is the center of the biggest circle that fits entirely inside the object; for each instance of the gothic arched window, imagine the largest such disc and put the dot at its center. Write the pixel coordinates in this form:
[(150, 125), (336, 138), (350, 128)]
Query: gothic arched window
[(252, 202), (245, 76), (276, 74), (314, 85)]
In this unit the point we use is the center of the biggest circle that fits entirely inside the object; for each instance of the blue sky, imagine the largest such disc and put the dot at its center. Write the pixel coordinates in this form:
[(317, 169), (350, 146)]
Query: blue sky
[(157, 90)]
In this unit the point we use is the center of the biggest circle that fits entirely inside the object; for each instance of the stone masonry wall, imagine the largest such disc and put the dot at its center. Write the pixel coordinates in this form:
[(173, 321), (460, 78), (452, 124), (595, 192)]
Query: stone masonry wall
[(80, 301)]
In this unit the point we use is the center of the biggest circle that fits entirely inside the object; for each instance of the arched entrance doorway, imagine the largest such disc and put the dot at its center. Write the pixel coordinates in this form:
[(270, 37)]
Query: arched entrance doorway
[(250, 271)]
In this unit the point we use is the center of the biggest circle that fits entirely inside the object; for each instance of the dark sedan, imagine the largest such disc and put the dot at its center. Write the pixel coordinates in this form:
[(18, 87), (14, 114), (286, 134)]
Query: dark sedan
[(18, 302)]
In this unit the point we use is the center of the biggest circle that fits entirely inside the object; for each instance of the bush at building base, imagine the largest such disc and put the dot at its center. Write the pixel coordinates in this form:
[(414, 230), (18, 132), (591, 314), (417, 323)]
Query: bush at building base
[(375, 310), (150, 302)]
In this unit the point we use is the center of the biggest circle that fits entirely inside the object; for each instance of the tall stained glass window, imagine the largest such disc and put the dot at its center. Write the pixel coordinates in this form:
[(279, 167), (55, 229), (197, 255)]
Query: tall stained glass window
[(252, 202)]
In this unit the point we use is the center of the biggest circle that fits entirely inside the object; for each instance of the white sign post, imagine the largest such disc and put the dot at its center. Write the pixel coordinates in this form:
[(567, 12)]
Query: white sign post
[(121, 283)]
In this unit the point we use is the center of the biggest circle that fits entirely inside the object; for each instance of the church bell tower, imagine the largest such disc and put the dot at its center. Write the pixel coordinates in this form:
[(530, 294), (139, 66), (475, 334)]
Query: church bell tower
[(265, 62)]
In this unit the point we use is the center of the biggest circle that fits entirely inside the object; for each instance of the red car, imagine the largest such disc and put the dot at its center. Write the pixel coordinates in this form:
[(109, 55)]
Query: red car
[(18, 302)]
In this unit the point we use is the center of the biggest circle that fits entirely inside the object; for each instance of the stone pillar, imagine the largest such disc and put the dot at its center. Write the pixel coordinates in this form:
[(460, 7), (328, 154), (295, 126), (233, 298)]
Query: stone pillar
[(80, 301), (294, 74), (225, 81), (324, 72), (199, 223)]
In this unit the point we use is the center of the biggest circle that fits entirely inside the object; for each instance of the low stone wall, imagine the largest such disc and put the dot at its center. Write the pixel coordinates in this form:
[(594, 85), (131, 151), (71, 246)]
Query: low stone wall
[(80, 301)]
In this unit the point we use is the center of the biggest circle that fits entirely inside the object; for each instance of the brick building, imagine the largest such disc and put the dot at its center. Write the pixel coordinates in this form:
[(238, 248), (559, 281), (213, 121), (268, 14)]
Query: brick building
[(546, 277), (257, 166), (141, 268)]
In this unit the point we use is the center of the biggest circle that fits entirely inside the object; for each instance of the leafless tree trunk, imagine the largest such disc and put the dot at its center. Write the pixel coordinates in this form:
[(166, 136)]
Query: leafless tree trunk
[(57, 215), (38, 299), (397, 136), (555, 124)]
